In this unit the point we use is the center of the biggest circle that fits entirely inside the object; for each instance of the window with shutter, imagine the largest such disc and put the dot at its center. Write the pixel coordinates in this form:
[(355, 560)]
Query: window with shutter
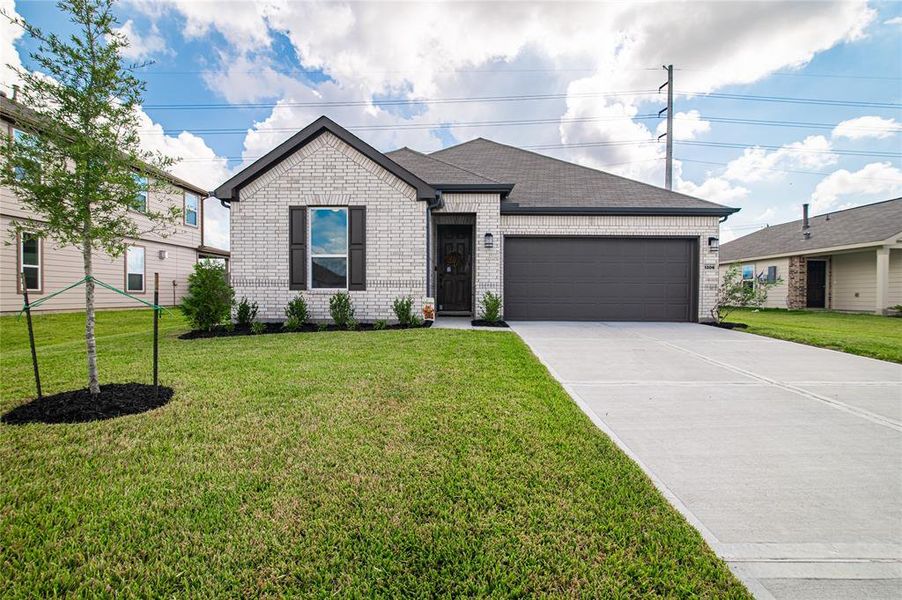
[(357, 248), (297, 247)]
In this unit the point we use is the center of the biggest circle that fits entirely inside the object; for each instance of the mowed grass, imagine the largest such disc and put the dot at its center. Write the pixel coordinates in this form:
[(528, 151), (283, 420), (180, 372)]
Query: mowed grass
[(381, 464), (866, 335)]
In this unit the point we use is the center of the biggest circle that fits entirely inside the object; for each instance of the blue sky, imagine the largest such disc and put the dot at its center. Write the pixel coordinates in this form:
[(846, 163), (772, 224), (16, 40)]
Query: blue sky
[(593, 65)]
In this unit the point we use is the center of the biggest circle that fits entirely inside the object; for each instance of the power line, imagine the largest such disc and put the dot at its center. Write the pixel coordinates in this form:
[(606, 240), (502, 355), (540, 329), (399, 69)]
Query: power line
[(723, 164), (519, 98), (527, 122)]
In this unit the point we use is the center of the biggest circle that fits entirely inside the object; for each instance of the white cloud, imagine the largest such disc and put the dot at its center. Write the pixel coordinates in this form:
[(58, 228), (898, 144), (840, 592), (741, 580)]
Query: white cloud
[(686, 125), (757, 164), (874, 179), (142, 46), (715, 189), (867, 127), (9, 33), (893, 21)]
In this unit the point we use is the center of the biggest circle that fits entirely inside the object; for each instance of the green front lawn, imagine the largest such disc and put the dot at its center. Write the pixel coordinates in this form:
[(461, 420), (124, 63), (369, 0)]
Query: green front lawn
[(867, 335), (395, 463)]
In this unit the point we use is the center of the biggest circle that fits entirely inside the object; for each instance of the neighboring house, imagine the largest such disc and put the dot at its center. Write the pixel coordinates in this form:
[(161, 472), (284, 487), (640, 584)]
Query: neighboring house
[(848, 260), (49, 268), (326, 212)]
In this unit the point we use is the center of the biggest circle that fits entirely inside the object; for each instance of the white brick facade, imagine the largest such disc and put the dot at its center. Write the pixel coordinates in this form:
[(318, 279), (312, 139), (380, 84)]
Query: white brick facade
[(696, 227), (328, 172)]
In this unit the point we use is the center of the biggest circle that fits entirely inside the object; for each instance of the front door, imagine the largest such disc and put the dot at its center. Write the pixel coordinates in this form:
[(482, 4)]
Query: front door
[(817, 284), (455, 268)]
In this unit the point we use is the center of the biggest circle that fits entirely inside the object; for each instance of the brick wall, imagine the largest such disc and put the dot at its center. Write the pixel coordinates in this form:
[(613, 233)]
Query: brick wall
[(797, 294), (328, 172), (700, 227)]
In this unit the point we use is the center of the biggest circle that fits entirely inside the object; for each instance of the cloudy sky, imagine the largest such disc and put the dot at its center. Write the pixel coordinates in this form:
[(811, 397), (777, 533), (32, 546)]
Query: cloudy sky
[(777, 103)]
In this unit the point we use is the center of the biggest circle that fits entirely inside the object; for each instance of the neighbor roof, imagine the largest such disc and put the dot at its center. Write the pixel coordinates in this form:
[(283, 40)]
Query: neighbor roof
[(546, 185), (865, 224), (229, 190), (24, 116)]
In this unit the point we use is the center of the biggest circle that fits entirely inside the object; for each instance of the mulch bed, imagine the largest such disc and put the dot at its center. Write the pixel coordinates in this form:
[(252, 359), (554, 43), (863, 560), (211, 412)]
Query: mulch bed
[(727, 325), (270, 328), (481, 323), (78, 406)]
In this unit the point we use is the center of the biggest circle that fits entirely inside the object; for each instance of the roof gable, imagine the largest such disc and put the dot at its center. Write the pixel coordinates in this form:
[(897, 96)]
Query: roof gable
[(875, 223), (547, 185), (230, 190)]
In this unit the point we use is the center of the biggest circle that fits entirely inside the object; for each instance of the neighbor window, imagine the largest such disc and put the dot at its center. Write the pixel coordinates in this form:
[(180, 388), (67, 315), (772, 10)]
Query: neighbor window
[(748, 275), (20, 137), (191, 203), (328, 248), (772, 274), (141, 198), (30, 260), (134, 269)]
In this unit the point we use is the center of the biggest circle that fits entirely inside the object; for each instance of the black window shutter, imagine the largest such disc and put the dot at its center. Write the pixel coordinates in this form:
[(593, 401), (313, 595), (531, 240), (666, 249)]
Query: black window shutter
[(356, 248), (297, 247)]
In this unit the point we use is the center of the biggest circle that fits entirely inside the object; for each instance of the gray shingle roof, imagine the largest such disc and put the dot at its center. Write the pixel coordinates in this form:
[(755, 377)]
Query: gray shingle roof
[(435, 171), (546, 184), (870, 223)]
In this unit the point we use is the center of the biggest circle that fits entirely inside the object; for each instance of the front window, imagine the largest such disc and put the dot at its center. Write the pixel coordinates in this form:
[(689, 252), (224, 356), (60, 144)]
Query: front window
[(134, 269), (141, 198), (191, 207), (30, 261), (20, 137), (328, 248)]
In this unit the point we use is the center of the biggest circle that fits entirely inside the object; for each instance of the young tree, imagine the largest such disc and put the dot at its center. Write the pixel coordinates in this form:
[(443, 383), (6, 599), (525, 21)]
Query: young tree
[(79, 168), (735, 292)]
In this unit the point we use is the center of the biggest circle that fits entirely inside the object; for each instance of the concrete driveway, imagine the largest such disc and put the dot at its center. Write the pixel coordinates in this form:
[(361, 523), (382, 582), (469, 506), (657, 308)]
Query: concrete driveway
[(787, 458)]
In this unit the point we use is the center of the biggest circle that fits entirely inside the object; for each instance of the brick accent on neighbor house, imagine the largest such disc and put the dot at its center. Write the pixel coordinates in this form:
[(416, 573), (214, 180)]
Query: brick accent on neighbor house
[(328, 172), (630, 226), (797, 282)]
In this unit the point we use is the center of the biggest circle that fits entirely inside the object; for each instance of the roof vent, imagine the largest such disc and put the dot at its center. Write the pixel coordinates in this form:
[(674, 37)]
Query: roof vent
[(805, 224), (827, 217), (807, 235)]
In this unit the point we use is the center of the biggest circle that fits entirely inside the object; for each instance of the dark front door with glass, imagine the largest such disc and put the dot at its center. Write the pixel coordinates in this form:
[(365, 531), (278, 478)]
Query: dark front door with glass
[(455, 268), (817, 284)]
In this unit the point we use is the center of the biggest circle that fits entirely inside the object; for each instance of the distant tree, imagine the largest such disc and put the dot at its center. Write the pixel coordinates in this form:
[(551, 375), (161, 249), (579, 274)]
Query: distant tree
[(735, 292), (79, 169)]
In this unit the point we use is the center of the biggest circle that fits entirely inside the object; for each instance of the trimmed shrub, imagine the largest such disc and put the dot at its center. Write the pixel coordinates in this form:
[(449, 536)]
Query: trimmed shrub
[(297, 310), (403, 308), (246, 313), (341, 309), (292, 324), (490, 307), (257, 328), (209, 299), (380, 324)]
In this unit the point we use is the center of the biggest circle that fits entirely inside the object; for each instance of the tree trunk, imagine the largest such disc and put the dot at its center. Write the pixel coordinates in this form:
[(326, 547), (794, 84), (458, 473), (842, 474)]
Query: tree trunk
[(93, 381)]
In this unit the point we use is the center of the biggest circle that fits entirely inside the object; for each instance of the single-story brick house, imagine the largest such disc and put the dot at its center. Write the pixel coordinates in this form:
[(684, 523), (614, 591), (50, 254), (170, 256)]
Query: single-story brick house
[(849, 260), (324, 211)]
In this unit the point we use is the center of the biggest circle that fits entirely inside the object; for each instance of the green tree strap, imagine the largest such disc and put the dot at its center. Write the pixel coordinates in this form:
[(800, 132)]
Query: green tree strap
[(98, 282)]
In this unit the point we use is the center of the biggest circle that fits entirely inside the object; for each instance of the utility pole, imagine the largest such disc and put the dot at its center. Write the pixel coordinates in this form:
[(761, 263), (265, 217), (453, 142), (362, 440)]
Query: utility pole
[(668, 170)]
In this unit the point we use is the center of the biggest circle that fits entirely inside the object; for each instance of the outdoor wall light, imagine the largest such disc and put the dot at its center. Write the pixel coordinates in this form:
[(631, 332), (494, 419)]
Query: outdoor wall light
[(489, 240), (713, 243)]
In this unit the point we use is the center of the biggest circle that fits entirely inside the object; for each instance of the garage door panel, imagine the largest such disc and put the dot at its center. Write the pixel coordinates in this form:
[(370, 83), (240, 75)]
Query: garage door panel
[(627, 279)]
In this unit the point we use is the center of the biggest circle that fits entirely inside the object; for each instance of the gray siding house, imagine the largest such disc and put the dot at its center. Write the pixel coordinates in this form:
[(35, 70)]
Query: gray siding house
[(847, 260), (325, 212)]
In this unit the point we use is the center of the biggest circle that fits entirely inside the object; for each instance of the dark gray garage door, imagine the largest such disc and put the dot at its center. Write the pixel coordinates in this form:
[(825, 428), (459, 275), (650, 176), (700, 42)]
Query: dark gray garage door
[(604, 279)]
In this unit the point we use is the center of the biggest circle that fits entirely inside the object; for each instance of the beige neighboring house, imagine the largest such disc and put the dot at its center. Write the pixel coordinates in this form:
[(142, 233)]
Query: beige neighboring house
[(49, 268), (848, 260)]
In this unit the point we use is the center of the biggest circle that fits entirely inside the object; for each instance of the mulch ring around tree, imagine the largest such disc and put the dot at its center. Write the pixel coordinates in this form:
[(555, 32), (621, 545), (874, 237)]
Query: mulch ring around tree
[(269, 328), (481, 323), (78, 406)]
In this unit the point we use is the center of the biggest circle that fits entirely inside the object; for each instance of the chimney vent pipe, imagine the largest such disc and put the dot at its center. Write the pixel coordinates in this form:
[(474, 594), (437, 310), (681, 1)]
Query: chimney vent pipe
[(805, 224)]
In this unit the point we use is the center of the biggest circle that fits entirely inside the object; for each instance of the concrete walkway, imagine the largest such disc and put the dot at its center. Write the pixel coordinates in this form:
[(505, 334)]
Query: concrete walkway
[(787, 458)]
